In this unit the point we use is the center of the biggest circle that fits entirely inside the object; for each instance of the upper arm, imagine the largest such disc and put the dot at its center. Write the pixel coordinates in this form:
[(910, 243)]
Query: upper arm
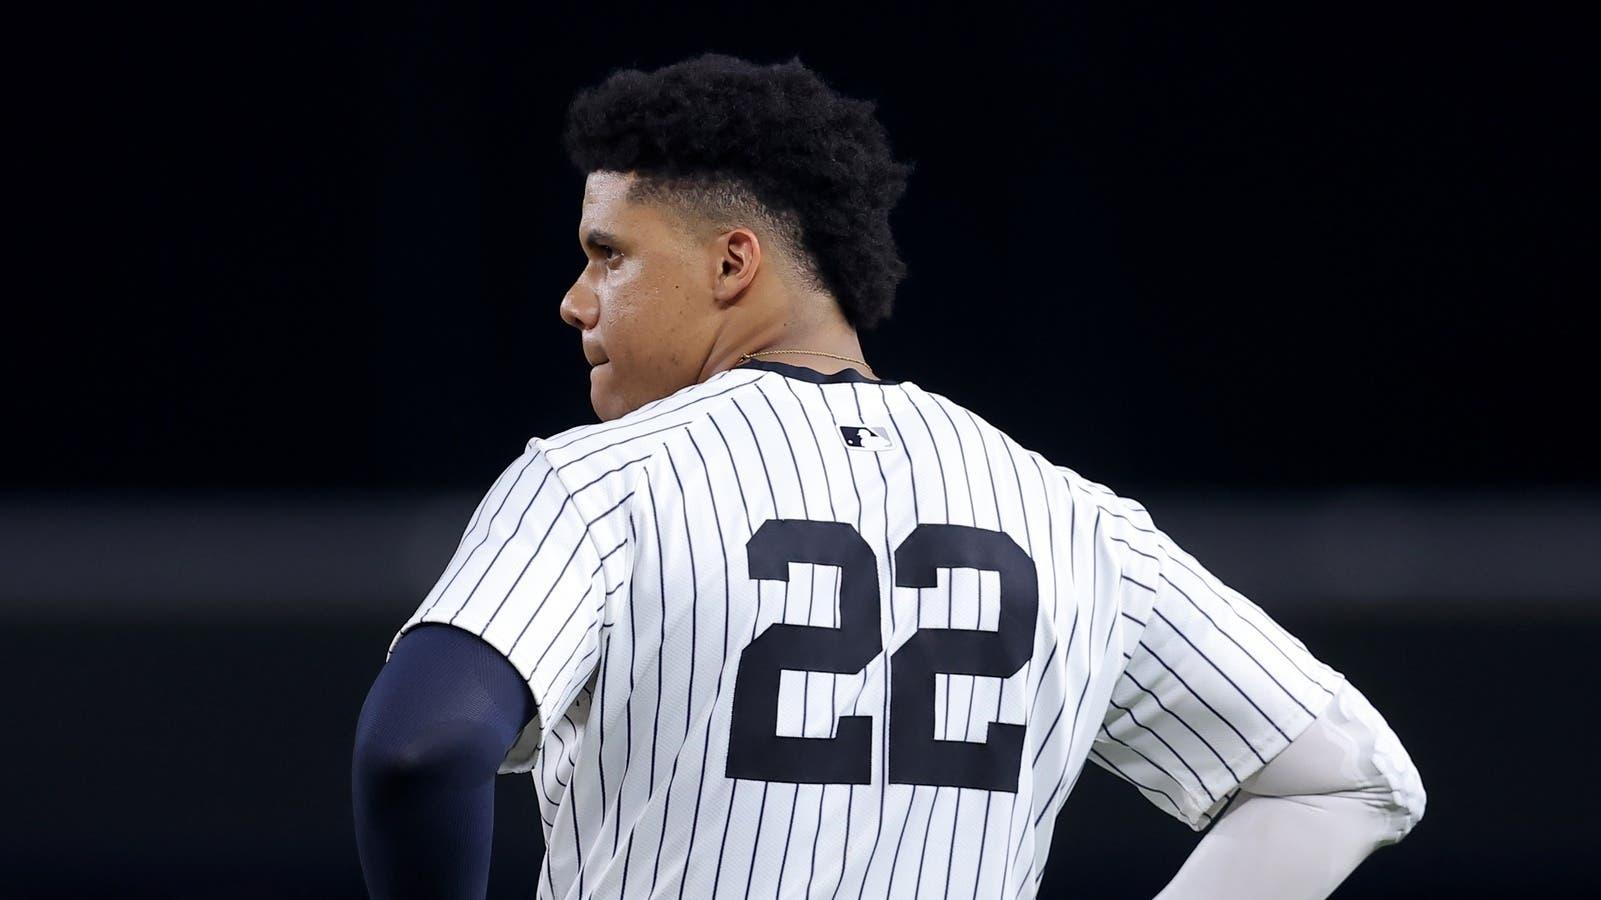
[(530, 579), (1211, 687)]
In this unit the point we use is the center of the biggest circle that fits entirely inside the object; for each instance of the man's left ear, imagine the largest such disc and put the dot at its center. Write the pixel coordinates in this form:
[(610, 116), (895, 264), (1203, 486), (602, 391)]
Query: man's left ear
[(739, 255)]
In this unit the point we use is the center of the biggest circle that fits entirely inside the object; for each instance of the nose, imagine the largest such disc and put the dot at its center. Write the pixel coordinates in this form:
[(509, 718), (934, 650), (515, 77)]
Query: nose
[(579, 307)]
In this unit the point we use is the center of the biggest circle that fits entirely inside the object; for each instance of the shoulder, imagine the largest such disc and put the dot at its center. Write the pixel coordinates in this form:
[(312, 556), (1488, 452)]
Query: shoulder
[(1073, 487), (1121, 525), (1028, 459), (969, 420)]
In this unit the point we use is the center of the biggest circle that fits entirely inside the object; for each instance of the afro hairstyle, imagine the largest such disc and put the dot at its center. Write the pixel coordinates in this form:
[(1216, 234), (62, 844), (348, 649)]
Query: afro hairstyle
[(724, 142)]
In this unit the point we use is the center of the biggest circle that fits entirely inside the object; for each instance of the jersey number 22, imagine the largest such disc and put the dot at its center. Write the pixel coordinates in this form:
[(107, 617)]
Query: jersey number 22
[(756, 751)]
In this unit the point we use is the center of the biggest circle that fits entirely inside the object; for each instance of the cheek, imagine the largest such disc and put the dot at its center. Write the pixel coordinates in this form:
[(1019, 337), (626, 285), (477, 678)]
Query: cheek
[(622, 308), (648, 326), (626, 338), (638, 324)]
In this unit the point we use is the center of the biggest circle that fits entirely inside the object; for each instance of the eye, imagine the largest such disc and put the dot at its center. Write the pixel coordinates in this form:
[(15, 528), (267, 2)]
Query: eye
[(607, 250)]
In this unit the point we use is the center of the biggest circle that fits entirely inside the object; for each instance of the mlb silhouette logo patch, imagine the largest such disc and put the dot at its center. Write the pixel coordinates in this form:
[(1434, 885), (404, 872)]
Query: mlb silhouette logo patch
[(865, 437)]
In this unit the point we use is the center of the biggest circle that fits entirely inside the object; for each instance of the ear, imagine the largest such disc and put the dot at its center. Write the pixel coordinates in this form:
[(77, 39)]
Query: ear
[(737, 258)]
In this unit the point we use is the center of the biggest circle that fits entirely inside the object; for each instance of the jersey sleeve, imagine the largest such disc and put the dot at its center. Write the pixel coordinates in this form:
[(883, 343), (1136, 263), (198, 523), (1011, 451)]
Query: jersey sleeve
[(1211, 688), (530, 579)]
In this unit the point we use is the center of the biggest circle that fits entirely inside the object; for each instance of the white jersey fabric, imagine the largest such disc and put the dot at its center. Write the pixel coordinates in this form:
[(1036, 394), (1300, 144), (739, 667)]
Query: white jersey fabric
[(793, 634)]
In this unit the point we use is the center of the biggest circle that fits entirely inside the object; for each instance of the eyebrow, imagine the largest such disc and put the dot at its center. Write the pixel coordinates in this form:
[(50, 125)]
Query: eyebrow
[(598, 236)]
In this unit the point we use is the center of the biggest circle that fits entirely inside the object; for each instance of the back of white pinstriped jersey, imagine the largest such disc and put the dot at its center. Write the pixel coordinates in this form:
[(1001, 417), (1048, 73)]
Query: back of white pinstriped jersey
[(648, 787)]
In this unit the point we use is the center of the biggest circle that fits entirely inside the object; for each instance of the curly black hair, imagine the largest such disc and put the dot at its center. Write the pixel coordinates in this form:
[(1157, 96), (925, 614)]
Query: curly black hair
[(725, 142)]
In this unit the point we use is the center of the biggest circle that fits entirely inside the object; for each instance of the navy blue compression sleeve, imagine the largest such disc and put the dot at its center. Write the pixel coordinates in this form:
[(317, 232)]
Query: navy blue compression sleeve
[(437, 723)]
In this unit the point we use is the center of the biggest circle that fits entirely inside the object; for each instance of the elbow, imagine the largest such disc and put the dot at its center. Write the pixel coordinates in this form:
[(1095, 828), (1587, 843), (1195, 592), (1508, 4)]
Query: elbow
[(430, 722), (386, 759), (1415, 808), (443, 754), (382, 761), (1351, 760), (407, 744), (1397, 778), (1408, 799)]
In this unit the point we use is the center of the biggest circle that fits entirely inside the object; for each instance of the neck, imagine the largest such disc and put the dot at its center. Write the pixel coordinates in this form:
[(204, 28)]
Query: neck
[(831, 336)]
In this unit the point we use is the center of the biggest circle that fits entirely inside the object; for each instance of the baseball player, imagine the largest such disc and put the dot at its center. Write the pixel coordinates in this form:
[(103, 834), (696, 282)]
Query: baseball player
[(781, 626)]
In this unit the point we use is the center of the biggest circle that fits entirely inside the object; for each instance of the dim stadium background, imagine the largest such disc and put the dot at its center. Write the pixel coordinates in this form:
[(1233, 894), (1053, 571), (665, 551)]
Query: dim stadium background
[(283, 301)]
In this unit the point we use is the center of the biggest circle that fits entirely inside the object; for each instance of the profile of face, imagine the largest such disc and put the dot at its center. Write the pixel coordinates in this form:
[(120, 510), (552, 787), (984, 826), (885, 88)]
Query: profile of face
[(646, 301)]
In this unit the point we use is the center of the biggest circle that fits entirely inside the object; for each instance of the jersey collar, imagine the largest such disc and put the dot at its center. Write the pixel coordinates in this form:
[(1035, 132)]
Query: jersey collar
[(804, 374)]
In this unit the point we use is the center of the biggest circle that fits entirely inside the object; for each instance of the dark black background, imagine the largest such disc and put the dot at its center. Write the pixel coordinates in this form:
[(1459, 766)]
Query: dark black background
[(316, 250), (302, 246)]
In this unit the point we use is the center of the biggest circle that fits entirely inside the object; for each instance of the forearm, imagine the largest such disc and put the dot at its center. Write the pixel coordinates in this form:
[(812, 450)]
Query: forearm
[(1341, 790), (432, 734), (1278, 848)]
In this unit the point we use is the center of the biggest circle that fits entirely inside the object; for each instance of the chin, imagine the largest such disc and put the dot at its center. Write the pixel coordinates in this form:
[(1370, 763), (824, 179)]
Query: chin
[(612, 400), (605, 407), (603, 395)]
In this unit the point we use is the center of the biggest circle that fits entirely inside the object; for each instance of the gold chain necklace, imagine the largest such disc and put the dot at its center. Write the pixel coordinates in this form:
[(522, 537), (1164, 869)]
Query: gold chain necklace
[(745, 356)]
